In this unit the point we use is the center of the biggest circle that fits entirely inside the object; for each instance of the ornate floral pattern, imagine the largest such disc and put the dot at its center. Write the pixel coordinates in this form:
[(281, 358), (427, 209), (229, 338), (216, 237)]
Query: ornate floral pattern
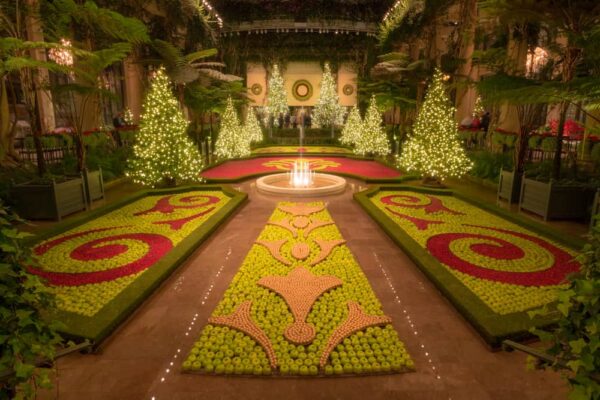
[(508, 267), (91, 264), (309, 315)]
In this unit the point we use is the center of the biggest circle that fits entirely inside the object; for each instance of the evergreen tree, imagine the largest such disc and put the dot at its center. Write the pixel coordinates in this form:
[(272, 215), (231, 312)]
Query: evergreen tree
[(373, 139), (163, 152), (277, 97), (232, 141), (434, 148), (478, 109), (328, 112), (252, 128), (352, 128)]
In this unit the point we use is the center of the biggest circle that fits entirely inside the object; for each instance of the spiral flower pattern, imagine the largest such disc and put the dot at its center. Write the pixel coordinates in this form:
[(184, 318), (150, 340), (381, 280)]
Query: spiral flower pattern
[(91, 264), (508, 267)]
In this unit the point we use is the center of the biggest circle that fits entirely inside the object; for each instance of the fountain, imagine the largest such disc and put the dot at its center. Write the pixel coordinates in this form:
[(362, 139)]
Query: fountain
[(301, 181)]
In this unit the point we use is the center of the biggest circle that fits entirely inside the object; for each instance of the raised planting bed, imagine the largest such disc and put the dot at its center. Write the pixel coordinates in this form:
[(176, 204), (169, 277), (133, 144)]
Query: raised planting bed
[(509, 186), (493, 266), (299, 305), (552, 200), (51, 200), (103, 265)]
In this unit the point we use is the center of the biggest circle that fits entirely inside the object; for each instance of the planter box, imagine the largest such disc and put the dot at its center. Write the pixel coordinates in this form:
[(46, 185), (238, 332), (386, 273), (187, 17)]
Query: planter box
[(554, 201), (509, 186), (595, 210), (49, 201), (94, 185)]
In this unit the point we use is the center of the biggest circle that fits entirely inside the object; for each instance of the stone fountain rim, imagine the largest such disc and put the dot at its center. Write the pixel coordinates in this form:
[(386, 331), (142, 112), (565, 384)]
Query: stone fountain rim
[(338, 185)]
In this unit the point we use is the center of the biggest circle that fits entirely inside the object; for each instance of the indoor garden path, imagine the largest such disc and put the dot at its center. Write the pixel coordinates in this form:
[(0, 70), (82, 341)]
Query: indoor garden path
[(142, 360)]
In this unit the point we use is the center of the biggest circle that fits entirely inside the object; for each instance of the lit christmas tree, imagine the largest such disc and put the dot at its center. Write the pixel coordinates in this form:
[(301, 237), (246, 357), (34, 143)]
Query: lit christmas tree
[(232, 141), (479, 109), (352, 129), (252, 128), (163, 153), (328, 111), (277, 97), (434, 148), (372, 139)]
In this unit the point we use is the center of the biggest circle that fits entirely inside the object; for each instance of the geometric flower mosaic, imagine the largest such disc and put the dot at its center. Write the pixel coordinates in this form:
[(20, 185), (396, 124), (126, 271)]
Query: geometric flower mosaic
[(508, 267), (299, 305), (89, 265)]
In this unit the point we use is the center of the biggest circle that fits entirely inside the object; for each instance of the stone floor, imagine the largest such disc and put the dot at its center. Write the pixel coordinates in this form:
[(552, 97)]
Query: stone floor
[(142, 359)]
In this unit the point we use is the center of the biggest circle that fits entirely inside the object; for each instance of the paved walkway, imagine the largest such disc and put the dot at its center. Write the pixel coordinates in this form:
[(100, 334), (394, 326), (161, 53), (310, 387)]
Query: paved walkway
[(142, 359)]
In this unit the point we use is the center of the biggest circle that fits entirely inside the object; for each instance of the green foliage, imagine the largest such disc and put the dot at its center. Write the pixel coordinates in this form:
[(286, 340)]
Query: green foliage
[(26, 333), (252, 129), (549, 144), (534, 142), (487, 165), (372, 139), (595, 155), (352, 128), (575, 343), (276, 96)]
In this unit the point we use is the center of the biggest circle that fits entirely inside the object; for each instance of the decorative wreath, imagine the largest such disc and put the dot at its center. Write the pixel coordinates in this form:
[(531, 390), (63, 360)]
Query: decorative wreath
[(348, 89), (256, 89), (302, 90)]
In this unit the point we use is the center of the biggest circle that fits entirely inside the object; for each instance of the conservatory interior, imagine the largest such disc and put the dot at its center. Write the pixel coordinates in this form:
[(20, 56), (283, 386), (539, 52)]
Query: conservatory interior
[(324, 199)]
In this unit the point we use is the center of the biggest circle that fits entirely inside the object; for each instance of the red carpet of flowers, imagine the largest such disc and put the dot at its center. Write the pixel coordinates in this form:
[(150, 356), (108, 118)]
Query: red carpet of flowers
[(242, 168), (508, 267), (91, 264)]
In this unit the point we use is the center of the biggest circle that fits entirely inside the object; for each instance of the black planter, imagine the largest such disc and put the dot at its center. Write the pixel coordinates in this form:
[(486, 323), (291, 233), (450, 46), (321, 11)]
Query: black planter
[(509, 186), (49, 200), (555, 201)]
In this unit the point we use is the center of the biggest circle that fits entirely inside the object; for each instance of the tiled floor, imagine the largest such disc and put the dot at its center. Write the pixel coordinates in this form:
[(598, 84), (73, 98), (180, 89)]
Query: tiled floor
[(142, 359)]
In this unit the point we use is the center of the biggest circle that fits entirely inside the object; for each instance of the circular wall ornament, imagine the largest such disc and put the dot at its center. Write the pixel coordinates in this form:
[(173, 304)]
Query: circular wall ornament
[(348, 89), (302, 90), (256, 89)]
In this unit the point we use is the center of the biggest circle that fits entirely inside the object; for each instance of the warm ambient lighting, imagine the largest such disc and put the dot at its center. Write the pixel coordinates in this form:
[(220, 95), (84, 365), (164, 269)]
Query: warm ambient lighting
[(536, 60), (301, 175), (63, 55)]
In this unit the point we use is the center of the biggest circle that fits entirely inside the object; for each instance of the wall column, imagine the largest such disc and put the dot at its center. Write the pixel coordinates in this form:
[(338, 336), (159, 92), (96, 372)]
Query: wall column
[(133, 76), (44, 98)]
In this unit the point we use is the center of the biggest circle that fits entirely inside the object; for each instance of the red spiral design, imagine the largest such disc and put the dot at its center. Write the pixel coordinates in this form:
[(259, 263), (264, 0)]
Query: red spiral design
[(563, 265), (432, 205), (98, 249), (164, 206)]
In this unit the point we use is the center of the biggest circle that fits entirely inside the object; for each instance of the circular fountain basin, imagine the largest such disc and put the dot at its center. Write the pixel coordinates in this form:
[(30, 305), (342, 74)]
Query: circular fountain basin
[(279, 184)]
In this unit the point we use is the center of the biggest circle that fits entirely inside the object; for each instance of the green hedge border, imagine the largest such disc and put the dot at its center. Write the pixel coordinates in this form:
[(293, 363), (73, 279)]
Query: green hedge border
[(241, 178), (103, 323), (493, 328)]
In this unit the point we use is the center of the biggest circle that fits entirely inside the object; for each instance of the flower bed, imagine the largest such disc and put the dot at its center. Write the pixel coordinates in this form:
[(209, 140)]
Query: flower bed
[(243, 169), (303, 150), (299, 305), (492, 269), (102, 268)]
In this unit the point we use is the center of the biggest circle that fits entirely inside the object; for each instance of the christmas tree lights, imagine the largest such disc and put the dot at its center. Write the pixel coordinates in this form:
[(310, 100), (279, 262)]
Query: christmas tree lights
[(434, 148), (233, 141), (352, 128), (372, 139), (277, 97), (252, 128), (479, 109), (328, 111), (163, 153)]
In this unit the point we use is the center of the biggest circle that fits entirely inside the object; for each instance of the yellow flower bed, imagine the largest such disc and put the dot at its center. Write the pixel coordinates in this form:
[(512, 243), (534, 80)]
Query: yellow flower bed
[(510, 268), (221, 349), (91, 264)]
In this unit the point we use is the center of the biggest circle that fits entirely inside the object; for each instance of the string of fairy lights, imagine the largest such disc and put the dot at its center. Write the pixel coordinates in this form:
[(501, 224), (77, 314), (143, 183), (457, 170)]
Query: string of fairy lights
[(214, 12)]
